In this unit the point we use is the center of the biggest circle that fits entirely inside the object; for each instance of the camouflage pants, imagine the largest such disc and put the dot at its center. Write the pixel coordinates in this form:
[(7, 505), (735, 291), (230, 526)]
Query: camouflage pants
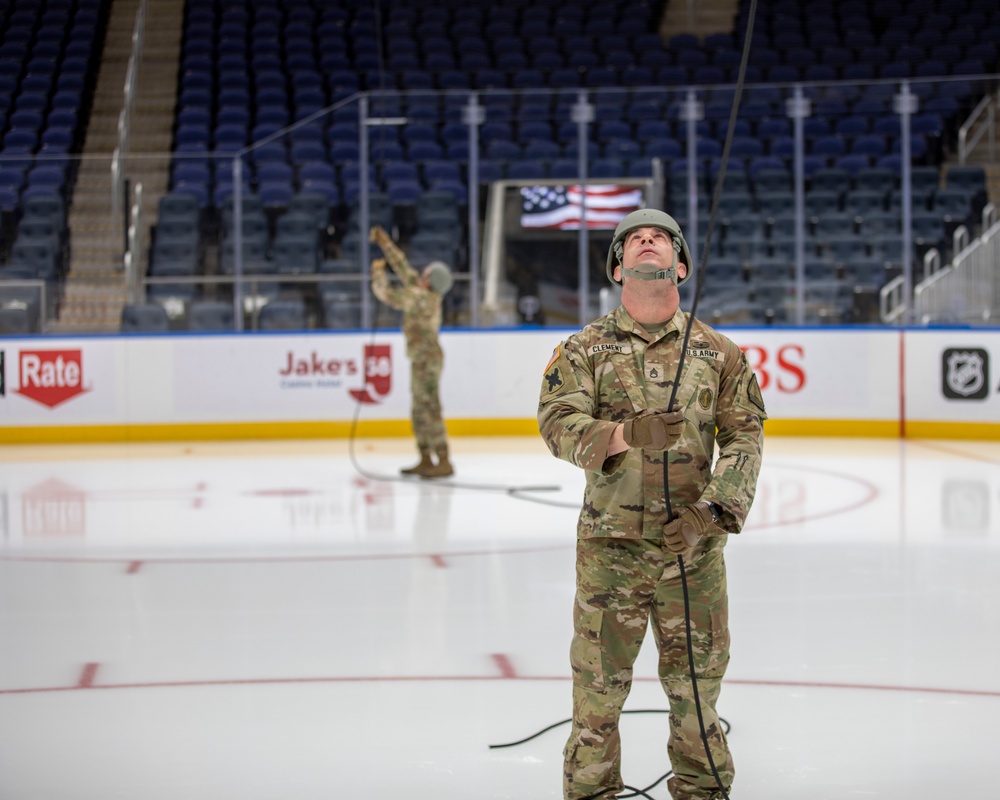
[(621, 583), (425, 403)]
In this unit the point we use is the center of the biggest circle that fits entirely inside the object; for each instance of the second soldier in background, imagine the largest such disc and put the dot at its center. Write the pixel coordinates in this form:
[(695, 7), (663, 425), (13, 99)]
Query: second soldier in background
[(418, 296)]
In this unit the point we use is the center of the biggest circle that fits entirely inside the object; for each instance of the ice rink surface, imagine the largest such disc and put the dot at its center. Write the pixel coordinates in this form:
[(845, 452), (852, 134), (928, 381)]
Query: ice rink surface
[(265, 620)]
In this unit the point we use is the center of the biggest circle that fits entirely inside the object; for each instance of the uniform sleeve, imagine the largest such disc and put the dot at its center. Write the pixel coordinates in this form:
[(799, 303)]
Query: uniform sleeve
[(397, 260), (393, 296), (566, 411), (740, 436)]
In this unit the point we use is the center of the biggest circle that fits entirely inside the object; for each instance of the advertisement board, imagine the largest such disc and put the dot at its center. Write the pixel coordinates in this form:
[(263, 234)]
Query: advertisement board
[(952, 383), (842, 381)]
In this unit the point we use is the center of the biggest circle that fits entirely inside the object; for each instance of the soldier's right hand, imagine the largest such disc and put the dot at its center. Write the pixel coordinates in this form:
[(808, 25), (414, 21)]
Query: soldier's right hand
[(377, 235), (653, 429), (683, 533)]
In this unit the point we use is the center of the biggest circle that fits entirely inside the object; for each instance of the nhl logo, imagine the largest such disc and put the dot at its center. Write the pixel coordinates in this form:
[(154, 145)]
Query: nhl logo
[(965, 373)]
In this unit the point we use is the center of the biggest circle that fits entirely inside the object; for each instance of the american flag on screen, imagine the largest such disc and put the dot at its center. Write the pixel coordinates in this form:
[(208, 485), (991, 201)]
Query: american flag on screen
[(559, 207)]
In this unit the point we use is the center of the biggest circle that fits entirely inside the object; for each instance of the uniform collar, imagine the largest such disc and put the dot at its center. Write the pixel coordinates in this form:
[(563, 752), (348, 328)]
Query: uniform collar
[(625, 322)]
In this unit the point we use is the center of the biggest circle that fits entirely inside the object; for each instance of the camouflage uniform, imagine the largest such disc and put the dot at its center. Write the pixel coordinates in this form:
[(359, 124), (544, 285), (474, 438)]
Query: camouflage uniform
[(625, 573), (421, 322)]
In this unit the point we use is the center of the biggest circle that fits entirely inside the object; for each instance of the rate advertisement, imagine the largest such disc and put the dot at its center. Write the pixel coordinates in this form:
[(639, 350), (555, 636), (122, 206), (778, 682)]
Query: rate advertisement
[(46, 381)]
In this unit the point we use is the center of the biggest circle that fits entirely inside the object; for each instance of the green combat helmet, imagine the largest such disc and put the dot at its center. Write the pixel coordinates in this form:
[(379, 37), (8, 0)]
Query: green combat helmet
[(440, 277), (649, 218)]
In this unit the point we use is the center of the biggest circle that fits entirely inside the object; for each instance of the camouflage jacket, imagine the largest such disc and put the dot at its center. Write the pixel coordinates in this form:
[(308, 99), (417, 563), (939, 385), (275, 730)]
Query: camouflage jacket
[(612, 368), (421, 307)]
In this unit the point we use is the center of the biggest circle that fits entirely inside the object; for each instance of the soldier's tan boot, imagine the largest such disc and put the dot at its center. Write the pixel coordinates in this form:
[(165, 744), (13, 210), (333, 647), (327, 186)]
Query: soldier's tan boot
[(425, 463), (443, 467)]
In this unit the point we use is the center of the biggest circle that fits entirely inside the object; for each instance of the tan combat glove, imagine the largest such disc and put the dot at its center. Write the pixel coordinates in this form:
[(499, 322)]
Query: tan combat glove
[(683, 534), (378, 236), (653, 429)]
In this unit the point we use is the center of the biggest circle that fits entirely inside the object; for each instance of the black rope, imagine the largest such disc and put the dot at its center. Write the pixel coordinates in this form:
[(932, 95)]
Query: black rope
[(702, 270), (634, 791), (726, 726)]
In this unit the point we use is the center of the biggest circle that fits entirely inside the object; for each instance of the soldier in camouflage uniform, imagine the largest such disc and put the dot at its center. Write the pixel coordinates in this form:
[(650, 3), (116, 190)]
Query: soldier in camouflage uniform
[(419, 298), (603, 407)]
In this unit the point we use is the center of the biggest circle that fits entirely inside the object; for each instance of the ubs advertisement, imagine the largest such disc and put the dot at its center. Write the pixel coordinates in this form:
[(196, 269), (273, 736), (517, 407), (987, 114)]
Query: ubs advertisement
[(815, 374)]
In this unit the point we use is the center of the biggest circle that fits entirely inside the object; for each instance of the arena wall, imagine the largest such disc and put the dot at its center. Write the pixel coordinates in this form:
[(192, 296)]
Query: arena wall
[(925, 383)]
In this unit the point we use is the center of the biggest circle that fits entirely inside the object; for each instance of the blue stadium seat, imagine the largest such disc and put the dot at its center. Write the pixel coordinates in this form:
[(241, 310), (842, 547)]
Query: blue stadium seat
[(143, 318), (210, 315), (283, 315)]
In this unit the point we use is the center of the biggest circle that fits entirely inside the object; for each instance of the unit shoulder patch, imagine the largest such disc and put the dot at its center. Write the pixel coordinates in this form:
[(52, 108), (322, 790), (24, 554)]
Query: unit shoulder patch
[(559, 377)]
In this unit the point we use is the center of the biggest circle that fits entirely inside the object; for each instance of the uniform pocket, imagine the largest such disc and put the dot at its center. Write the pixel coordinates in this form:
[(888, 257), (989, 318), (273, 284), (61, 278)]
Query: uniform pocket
[(586, 655), (718, 648), (703, 393)]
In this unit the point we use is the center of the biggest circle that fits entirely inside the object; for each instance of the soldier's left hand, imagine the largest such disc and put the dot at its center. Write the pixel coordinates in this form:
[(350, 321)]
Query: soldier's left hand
[(683, 534)]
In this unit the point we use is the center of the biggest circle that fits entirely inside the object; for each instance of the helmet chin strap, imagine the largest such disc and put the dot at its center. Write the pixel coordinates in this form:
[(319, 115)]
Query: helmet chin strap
[(649, 272)]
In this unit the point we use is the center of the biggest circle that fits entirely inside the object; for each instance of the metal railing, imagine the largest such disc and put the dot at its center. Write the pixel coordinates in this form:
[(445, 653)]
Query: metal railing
[(121, 152), (132, 260), (19, 301), (257, 290), (981, 124), (967, 291), (690, 109)]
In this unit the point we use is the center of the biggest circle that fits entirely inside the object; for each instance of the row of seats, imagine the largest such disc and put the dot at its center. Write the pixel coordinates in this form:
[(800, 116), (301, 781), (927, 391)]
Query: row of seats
[(48, 62), (37, 250), (248, 72), (514, 71), (440, 46), (727, 273), (619, 158), (617, 139), (280, 314), (827, 251), (768, 191), (501, 156), (283, 245), (785, 24), (345, 48), (642, 118), (291, 242)]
